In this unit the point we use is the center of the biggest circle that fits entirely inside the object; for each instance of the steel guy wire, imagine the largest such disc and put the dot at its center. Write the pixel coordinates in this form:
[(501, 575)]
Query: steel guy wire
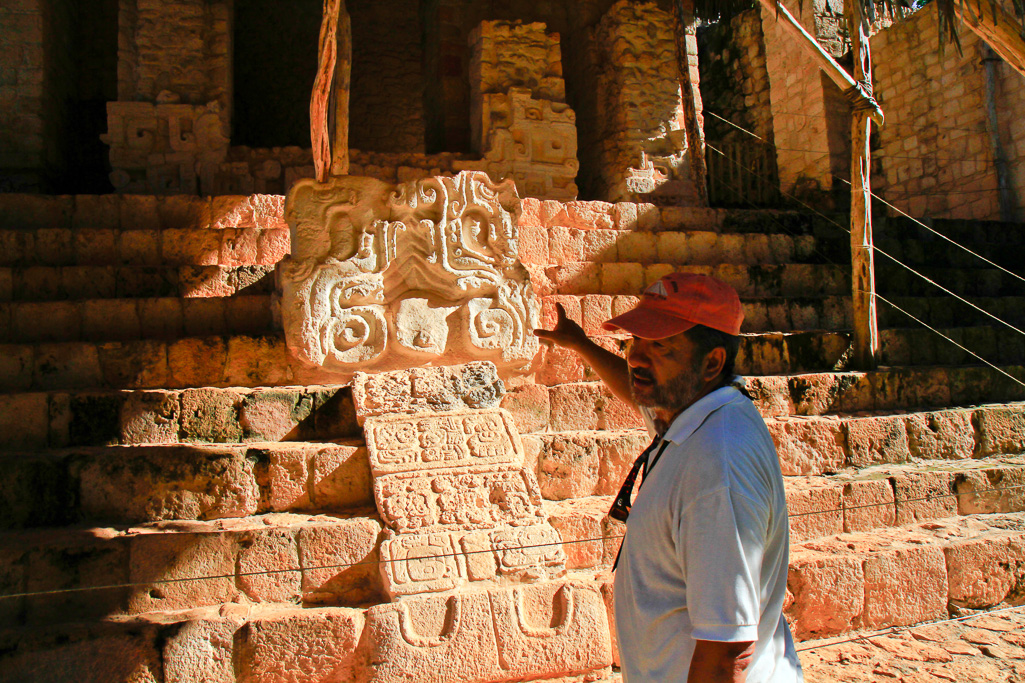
[(875, 294), (880, 153), (940, 234), (378, 562), (902, 629), (877, 249), (955, 343)]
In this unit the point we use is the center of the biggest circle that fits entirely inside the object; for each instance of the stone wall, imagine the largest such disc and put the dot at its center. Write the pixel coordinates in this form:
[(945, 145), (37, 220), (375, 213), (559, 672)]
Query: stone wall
[(386, 112), (37, 76), (734, 78), (801, 105), (639, 116), (934, 153)]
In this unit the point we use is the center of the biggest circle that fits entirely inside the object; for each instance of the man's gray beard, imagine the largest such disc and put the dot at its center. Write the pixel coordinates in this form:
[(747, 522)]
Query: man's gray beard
[(673, 396)]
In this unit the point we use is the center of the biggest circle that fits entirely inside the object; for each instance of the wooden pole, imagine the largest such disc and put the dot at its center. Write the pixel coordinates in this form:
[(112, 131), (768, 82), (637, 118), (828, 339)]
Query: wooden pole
[(866, 331), (820, 56), (343, 71), (686, 57), (320, 125)]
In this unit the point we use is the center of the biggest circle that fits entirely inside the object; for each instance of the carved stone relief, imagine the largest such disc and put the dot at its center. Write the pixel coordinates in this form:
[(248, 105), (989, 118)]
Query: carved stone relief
[(434, 389), (398, 443), (165, 148), (425, 272), (531, 141)]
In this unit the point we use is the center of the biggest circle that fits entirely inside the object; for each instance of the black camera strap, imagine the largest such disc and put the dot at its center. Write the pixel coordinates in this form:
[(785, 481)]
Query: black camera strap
[(621, 505)]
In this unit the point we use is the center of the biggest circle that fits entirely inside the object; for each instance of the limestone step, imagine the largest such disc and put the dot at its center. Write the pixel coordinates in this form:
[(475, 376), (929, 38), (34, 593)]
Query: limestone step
[(77, 283), (931, 250), (968, 281), (629, 279), (40, 420), (494, 639), (906, 575), (945, 311), (589, 405), (132, 246), (264, 360), (557, 244), (867, 500), (288, 559), (899, 576), (130, 319), (572, 464), (140, 484)]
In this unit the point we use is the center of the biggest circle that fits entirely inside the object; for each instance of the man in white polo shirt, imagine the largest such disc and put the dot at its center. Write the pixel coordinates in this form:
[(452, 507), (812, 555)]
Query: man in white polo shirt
[(702, 572)]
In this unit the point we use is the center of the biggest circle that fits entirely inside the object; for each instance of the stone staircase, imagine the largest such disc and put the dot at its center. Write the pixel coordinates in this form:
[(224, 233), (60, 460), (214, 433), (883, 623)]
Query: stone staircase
[(154, 430)]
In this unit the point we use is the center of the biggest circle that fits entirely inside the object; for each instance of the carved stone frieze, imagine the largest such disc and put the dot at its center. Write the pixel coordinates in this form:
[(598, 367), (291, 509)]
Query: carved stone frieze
[(421, 563), (165, 148), (430, 389), (433, 441), (465, 498), (422, 273), (506, 633)]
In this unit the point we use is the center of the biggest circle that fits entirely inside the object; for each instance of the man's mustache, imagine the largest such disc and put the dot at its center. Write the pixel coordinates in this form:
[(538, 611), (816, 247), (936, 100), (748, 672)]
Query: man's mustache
[(642, 374)]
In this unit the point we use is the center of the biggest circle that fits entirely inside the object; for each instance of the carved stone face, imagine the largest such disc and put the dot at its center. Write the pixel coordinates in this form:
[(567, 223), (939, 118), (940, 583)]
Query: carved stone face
[(384, 277)]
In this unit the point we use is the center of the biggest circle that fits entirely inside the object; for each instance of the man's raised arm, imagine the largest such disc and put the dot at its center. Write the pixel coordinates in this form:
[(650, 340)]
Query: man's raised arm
[(612, 369)]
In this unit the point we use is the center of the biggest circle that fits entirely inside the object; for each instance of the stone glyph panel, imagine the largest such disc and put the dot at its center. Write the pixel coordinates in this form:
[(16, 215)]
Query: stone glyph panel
[(532, 141), (429, 389), (165, 148), (506, 633), (400, 443), (422, 273), (469, 498), (424, 563)]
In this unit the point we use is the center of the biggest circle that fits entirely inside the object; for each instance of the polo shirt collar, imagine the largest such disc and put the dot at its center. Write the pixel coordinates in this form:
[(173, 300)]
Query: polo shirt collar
[(687, 422)]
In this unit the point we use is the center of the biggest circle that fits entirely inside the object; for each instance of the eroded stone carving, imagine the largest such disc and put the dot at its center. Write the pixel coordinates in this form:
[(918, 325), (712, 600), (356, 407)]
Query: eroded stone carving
[(165, 148), (429, 389), (454, 439), (506, 633), (424, 272), (470, 498), (420, 563)]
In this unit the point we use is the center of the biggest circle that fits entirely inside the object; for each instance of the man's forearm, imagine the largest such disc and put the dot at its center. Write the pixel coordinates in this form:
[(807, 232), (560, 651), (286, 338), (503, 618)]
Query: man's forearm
[(715, 662), (610, 368)]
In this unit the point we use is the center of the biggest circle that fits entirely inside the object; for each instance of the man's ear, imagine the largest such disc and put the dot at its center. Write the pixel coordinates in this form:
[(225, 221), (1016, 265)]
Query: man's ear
[(715, 361)]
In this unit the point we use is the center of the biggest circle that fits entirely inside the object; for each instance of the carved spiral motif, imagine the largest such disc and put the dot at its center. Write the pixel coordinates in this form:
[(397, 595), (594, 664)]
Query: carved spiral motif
[(356, 334)]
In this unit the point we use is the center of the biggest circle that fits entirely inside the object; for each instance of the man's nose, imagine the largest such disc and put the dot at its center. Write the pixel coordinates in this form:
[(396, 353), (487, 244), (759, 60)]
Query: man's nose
[(636, 356)]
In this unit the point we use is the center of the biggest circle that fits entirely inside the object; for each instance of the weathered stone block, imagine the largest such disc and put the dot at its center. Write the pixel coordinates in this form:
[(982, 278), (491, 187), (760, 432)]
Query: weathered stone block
[(579, 523), (1000, 430), (341, 477), (868, 504), (197, 362), (946, 435), (876, 440), (904, 586), (986, 570), (163, 483), (201, 650), (268, 566), (529, 406), (809, 446), (998, 489), (296, 646), (568, 466), (156, 557), (274, 414), (211, 415), (814, 508), (574, 406), (340, 560), (134, 364), (829, 593), (923, 496)]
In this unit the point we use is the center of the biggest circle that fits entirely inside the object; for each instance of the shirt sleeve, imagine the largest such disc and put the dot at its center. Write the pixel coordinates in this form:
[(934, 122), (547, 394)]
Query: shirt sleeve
[(721, 542)]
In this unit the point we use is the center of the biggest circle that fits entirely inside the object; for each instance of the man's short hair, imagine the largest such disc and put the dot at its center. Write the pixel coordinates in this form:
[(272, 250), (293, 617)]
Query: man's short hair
[(705, 339)]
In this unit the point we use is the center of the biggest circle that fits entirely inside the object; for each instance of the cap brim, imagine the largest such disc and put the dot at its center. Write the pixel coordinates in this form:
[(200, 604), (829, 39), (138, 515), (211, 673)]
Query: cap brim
[(648, 324)]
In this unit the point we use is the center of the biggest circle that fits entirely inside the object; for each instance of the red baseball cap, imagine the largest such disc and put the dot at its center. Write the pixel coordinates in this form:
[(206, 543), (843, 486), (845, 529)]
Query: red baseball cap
[(678, 302)]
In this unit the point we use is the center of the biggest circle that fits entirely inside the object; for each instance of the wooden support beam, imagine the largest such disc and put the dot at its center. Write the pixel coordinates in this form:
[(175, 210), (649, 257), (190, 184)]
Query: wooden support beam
[(866, 330), (998, 28), (686, 57), (342, 87), (824, 60)]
